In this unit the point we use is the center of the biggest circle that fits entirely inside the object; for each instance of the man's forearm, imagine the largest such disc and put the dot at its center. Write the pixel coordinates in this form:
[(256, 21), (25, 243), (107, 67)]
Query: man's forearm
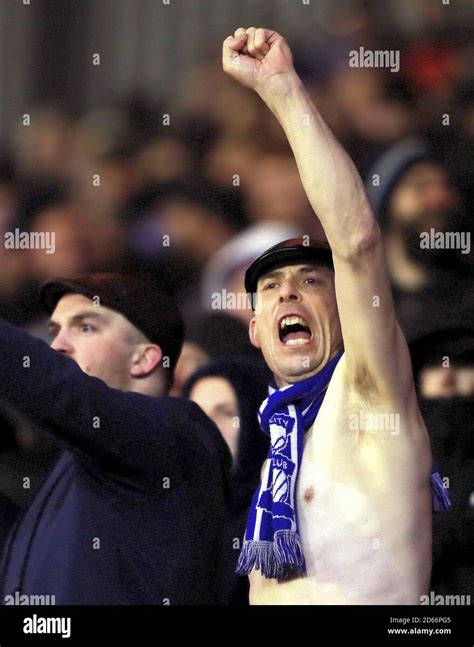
[(331, 181), (106, 424)]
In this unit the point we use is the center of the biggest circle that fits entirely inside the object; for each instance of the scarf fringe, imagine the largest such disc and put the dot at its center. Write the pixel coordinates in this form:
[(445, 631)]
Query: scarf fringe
[(277, 559), (441, 500)]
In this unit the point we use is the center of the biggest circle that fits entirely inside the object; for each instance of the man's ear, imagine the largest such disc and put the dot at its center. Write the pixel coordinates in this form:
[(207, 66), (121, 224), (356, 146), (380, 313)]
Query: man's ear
[(253, 333), (145, 359)]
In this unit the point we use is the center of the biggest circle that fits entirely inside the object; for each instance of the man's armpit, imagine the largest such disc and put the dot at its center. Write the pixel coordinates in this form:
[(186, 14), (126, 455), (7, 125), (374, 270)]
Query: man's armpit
[(363, 383)]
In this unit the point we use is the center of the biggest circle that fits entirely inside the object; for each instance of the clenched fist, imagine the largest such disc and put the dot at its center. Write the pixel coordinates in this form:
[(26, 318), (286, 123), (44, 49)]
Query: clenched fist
[(258, 58)]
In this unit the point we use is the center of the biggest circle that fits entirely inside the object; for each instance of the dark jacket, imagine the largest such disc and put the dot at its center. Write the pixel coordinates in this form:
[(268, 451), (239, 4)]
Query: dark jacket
[(134, 510), (449, 422), (8, 513), (249, 379)]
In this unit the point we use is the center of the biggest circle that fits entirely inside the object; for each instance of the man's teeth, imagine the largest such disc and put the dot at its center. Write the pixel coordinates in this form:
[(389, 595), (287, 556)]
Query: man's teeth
[(296, 342), (291, 321), (294, 331)]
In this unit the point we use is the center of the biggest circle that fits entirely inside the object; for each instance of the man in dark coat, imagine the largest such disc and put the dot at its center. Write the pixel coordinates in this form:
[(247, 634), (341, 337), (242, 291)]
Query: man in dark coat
[(133, 512)]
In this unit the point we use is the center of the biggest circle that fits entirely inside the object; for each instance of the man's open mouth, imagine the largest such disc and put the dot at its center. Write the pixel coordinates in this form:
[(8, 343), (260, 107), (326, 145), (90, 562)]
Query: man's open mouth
[(294, 331)]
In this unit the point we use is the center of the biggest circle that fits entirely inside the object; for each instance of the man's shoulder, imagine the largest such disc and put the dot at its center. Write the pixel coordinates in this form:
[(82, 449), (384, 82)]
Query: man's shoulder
[(193, 427), (165, 408), (202, 428)]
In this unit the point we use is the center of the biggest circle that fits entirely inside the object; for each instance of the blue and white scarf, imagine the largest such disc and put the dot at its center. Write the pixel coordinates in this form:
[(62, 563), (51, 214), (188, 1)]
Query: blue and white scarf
[(272, 542)]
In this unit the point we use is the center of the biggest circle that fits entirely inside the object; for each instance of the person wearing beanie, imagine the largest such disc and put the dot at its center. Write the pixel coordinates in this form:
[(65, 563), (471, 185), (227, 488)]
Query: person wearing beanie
[(414, 200), (443, 367), (124, 516)]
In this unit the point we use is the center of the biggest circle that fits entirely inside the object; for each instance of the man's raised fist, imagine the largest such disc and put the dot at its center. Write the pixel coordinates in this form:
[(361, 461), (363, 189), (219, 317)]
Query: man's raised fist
[(258, 58)]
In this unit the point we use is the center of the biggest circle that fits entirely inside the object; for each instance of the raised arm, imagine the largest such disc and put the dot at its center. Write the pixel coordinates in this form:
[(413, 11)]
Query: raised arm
[(376, 354), (128, 433)]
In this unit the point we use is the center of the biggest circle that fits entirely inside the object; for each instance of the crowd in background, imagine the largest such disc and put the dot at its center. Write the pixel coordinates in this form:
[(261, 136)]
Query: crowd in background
[(191, 198)]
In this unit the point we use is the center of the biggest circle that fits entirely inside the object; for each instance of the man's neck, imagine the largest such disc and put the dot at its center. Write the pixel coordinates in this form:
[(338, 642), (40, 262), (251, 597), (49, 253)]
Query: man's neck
[(280, 383)]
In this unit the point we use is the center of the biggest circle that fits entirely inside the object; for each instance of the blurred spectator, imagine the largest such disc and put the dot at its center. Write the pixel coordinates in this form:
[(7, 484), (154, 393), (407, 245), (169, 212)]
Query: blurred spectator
[(45, 211), (210, 96), (195, 226), (210, 336), (230, 393), (413, 197), (223, 278), (232, 160), (164, 159), (443, 365), (275, 193), (41, 147), (368, 107), (8, 192), (70, 257), (191, 359), (180, 225)]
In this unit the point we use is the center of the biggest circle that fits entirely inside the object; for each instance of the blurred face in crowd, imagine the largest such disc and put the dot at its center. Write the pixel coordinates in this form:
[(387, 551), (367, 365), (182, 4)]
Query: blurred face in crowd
[(236, 285), (276, 193), (296, 322), (163, 160), (70, 254), (446, 381), (102, 342), (8, 203), (193, 229), (192, 357), (218, 400), (359, 100), (44, 146), (424, 198), (230, 157)]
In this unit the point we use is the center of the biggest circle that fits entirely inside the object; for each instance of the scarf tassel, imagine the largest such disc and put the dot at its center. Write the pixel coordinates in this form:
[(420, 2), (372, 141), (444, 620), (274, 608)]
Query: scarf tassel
[(441, 500), (277, 559), (258, 555)]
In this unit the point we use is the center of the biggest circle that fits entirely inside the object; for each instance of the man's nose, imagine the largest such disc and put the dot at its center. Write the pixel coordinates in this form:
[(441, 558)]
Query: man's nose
[(288, 291), (62, 344)]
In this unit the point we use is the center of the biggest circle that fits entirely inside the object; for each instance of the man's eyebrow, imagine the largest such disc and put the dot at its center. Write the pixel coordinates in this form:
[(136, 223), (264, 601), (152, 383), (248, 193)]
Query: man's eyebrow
[(310, 268), (305, 269), (271, 274), (78, 317)]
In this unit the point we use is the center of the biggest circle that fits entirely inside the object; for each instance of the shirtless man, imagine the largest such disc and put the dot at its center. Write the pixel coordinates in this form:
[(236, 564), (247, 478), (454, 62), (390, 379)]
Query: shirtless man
[(363, 502)]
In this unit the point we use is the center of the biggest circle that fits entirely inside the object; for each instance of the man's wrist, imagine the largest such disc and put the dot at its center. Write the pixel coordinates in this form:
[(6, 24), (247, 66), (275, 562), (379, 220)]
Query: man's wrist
[(280, 89)]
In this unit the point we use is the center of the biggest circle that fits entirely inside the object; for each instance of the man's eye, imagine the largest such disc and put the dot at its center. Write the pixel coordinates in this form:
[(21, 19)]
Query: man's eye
[(311, 280), (269, 286), (86, 327)]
